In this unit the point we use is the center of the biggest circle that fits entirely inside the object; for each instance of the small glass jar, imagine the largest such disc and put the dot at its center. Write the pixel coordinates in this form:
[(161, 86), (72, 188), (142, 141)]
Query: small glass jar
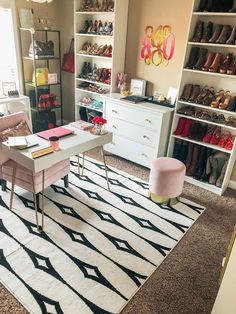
[(54, 142)]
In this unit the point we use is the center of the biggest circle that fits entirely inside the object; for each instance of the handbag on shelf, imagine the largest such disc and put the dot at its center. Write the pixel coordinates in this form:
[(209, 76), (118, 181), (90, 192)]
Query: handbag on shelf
[(68, 64)]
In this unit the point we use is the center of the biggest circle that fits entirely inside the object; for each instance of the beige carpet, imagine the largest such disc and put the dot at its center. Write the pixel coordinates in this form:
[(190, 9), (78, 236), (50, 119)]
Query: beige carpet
[(187, 281)]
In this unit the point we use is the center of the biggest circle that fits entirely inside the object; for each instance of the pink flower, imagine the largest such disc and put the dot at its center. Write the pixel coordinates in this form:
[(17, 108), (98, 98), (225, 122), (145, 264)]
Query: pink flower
[(99, 120)]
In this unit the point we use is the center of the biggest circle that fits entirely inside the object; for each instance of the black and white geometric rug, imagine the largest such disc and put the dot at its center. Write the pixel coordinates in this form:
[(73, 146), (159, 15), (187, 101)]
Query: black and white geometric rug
[(98, 247)]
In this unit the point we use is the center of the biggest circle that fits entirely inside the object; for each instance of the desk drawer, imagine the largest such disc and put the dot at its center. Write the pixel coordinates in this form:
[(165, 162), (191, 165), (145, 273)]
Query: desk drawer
[(138, 153), (134, 132), (141, 117)]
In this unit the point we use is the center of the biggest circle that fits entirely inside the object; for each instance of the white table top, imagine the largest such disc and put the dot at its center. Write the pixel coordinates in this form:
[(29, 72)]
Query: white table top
[(79, 142), (6, 99)]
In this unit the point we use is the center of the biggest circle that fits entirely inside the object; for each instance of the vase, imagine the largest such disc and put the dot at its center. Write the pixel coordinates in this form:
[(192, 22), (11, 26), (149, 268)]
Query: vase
[(97, 129)]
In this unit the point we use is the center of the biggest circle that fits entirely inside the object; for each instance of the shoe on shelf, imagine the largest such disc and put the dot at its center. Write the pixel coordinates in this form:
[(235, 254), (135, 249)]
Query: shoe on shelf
[(220, 180), (189, 155), (202, 6), (216, 63), (188, 88), (202, 94), (232, 68), (216, 136), (232, 37), (180, 126), (232, 104), (201, 164), (224, 138), (226, 63), (226, 100), (198, 32), (230, 143), (233, 8), (207, 33), (210, 131), (210, 96), (201, 59), (187, 127), (216, 33), (224, 35), (209, 60), (195, 92), (219, 98), (230, 121), (193, 57), (193, 167)]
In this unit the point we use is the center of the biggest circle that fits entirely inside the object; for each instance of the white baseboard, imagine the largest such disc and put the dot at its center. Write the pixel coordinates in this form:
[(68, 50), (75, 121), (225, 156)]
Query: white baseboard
[(232, 184)]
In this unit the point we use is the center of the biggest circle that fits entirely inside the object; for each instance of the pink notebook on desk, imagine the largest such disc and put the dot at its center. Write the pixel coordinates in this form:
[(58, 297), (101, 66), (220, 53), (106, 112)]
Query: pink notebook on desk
[(59, 132)]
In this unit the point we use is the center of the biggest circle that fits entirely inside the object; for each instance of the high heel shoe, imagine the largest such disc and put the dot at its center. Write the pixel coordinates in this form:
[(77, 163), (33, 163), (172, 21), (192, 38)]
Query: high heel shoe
[(227, 97), (226, 63), (232, 68), (219, 97), (87, 25), (216, 63), (209, 61)]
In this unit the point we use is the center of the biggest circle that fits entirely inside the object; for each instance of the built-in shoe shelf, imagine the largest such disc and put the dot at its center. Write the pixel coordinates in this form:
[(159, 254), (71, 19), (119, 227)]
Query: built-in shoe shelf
[(217, 81)]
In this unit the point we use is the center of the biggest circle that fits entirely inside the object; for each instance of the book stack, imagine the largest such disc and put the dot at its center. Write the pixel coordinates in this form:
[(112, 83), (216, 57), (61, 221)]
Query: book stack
[(82, 125)]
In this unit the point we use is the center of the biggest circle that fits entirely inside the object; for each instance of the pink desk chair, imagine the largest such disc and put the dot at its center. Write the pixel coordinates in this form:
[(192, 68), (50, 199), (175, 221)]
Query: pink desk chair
[(24, 178)]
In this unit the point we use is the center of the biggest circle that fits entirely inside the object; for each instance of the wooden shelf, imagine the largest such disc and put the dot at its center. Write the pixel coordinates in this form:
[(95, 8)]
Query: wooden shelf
[(231, 113), (193, 43), (209, 73), (203, 144), (93, 56), (93, 82), (88, 107), (206, 121)]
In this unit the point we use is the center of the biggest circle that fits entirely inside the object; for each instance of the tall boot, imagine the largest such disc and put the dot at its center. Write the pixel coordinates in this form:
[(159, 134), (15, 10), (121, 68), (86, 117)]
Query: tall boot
[(222, 6), (207, 34), (180, 127), (186, 130), (232, 36), (210, 58), (209, 6), (216, 33), (233, 8), (201, 163), (205, 177), (193, 57), (213, 169), (192, 169), (220, 180), (216, 63), (189, 155), (186, 92), (184, 152), (202, 6), (198, 32), (177, 148), (201, 59), (224, 35)]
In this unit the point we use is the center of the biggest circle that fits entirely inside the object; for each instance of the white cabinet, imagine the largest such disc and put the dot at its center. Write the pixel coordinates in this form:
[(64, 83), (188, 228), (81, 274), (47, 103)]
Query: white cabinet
[(140, 131)]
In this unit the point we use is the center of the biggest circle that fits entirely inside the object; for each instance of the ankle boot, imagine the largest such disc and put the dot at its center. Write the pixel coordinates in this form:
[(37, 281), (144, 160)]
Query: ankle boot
[(201, 163), (186, 92), (193, 57), (189, 155), (192, 169), (216, 33), (187, 127), (201, 59), (216, 63), (209, 60), (180, 127), (226, 63), (195, 93), (232, 36), (198, 32), (207, 34), (177, 148), (220, 180), (224, 35), (202, 6), (232, 68)]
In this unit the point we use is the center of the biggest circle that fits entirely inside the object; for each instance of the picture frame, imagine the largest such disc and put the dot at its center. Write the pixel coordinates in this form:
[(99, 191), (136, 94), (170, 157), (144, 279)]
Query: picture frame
[(52, 78), (7, 87), (172, 95)]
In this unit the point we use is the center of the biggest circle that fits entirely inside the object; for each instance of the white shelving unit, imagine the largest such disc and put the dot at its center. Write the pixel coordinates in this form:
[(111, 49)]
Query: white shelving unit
[(216, 80), (117, 40)]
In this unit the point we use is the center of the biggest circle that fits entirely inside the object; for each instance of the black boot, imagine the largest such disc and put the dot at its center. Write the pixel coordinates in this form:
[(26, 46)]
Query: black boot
[(193, 57), (232, 37), (207, 34), (201, 59), (177, 148), (209, 6), (222, 6), (204, 177), (201, 163), (224, 35), (202, 6), (184, 152), (198, 32)]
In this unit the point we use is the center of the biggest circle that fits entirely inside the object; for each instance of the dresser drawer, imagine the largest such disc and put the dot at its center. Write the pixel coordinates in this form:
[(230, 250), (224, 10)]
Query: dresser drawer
[(141, 117), (138, 153), (132, 131)]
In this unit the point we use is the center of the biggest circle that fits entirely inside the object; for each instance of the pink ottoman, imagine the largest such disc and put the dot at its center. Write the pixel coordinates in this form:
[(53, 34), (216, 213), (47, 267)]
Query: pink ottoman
[(166, 179)]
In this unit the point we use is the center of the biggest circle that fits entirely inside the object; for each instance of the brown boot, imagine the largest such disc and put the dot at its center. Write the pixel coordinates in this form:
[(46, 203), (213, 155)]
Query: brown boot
[(188, 88), (216, 63), (201, 59), (195, 93), (209, 60), (208, 31), (192, 169), (226, 63)]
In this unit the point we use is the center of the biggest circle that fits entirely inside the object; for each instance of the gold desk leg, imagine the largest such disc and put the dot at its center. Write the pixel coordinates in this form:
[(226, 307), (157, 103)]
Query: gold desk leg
[(13, 180), (43, 200), (83, 164), (35, 203), (104, 161)]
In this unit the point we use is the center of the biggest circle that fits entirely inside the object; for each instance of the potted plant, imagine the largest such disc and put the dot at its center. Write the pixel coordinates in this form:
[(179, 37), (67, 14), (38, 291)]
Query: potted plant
[(98, 123)]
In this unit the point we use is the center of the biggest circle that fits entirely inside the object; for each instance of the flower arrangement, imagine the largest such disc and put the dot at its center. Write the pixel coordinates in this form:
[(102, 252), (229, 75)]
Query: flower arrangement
[(99, 120)]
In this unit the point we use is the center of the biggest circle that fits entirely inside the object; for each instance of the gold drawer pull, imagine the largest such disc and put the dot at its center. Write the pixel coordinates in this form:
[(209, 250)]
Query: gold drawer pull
[(144, 155), (146, 137), (114, 126), (114, 111), (147, 120)]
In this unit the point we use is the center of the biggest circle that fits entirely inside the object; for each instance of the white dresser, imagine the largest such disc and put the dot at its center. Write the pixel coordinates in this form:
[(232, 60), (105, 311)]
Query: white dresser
[(140, 131)]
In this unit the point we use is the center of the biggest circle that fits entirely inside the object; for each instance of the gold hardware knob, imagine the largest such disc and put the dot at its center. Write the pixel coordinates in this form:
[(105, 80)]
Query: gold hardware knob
[(147, 120)]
